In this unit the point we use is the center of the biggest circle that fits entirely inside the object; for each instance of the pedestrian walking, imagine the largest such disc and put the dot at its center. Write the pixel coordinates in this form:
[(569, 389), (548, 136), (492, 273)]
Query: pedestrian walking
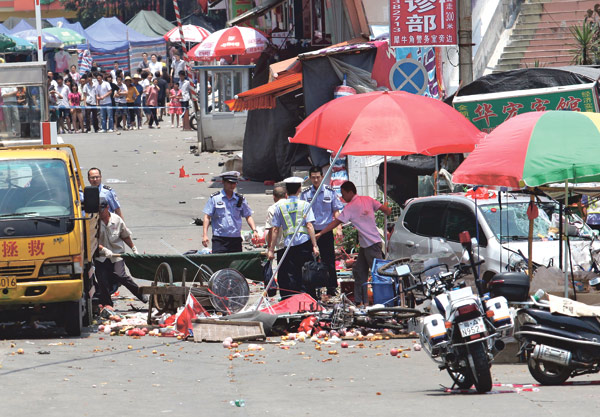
[(163, 91), (106, 192), (360, 211), (111, 271), (326, 207), (224, 211), (184, 86), (289, 214)]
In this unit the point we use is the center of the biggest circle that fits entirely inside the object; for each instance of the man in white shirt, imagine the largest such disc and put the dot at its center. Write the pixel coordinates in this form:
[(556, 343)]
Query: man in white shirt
[(89, 99), (103, 92), (154, 65), (177, 65), (62, 101), (110, 267), (115, 69), (360, 211), (184, 87), (145, 83)]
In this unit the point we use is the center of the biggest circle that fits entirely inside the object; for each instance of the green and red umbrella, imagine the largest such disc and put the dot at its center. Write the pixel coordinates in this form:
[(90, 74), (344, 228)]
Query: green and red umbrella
[(534, 149)]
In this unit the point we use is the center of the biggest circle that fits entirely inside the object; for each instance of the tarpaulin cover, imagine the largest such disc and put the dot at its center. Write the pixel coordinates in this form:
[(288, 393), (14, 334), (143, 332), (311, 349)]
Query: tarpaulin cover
[(295, 304), (150, 23), (320, 80), (268, 155), (77, 28), (403, 173), (528, 78), (249, 264)]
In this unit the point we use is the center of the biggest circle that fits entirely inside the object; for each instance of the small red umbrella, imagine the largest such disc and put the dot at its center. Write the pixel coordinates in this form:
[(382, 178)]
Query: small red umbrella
[(390, 123)]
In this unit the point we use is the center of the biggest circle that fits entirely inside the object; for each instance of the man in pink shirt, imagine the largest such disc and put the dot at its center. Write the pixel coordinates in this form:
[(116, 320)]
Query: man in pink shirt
[(360, 211)]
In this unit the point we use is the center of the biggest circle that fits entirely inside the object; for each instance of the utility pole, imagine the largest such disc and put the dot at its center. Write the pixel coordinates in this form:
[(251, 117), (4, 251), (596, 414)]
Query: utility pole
[(465, 43)]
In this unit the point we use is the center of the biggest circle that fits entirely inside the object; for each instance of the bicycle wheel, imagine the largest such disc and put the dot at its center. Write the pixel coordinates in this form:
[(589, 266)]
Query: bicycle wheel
[(163, 276)]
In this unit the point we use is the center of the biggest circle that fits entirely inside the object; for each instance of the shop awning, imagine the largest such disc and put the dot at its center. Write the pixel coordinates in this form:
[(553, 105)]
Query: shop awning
[(256, 12), (264, 96)]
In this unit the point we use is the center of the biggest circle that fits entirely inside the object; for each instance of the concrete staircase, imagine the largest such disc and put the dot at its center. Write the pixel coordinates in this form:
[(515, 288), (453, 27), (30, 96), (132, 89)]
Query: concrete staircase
[(541, 34)]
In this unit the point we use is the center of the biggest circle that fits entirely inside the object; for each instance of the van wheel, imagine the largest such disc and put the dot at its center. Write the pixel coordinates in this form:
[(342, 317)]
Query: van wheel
[(73, 318)]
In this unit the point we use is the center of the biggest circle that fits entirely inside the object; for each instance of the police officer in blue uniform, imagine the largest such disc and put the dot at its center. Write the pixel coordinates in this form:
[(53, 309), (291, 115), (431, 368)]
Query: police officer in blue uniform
[(288, 213), (95, 180), (224, 210), (326, 208)]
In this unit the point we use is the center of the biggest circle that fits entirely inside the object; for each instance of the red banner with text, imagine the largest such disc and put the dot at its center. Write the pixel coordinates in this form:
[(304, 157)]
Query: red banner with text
[(423, 23)]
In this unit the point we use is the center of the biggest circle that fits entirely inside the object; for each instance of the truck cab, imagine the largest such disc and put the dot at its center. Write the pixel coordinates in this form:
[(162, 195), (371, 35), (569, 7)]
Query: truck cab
[(47, 236)]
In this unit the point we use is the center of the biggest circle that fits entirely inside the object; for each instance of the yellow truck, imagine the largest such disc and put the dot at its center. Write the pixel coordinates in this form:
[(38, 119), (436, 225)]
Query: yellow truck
[(48, 235)]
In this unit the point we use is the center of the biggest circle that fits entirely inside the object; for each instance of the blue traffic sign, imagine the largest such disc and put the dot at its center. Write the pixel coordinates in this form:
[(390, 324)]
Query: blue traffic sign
[(409, 75)]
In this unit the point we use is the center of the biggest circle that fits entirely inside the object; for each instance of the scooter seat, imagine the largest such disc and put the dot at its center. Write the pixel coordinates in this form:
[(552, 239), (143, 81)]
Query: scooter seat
[(587, 324)]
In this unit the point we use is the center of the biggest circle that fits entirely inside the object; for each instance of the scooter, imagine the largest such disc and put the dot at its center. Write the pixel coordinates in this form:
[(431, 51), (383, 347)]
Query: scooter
[(557, 346), (463, 332)]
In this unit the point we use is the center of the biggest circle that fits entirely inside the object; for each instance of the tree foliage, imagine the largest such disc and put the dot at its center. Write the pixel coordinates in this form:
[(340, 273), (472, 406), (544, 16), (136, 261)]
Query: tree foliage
[(89, 11), (586, 44)]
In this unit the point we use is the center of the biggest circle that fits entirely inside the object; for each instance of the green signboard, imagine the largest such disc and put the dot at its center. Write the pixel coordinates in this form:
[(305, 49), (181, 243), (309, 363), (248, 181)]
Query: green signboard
[(487, 111)]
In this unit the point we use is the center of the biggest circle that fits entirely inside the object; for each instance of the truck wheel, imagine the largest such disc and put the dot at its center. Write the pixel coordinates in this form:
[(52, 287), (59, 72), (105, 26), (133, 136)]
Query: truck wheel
[(480, 368), (73, 318), (547, 373)]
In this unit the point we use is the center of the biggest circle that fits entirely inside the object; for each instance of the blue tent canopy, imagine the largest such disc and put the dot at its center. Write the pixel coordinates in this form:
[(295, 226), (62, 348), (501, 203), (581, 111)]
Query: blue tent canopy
[(4, 30), (55, 20), (21, 26), (77, 28), (109, 34)]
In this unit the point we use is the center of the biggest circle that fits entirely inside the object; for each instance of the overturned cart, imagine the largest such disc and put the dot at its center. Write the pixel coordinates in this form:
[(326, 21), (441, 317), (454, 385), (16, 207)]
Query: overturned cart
[(218, 281)]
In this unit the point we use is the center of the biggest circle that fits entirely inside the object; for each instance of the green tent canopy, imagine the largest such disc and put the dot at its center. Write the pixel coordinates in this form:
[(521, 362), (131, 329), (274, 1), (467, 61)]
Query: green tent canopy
[(6, 42), (150, 23), (19, 45)]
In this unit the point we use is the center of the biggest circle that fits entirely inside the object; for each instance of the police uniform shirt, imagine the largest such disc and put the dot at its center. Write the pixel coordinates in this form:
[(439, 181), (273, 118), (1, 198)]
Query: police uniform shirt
[(110, 196), (323, 208), (226, 213), (294, 206)]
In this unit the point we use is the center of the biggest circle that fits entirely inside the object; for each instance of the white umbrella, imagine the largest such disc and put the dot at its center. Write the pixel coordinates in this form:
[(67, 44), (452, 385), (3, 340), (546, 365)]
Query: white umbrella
[(230, 41), (191, 33)]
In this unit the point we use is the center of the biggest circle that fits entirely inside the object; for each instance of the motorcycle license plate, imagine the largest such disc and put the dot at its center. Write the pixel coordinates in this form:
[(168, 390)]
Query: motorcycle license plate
[(8, 282), (471, 327)]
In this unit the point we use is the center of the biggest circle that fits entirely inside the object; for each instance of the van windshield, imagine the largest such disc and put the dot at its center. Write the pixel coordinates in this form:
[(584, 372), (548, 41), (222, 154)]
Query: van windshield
[(515, 223), (34, 187)]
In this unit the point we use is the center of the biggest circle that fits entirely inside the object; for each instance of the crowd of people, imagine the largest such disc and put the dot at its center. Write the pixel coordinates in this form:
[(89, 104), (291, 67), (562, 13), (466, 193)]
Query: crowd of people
[(112, 100)]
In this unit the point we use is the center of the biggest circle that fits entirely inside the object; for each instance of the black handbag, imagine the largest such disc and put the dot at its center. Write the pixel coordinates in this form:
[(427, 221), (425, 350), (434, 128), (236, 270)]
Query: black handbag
[(314, 274), (267, 274)]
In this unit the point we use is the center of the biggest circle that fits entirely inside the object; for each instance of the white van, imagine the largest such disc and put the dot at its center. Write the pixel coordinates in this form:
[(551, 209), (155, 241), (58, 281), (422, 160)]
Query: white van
[(502, 233)]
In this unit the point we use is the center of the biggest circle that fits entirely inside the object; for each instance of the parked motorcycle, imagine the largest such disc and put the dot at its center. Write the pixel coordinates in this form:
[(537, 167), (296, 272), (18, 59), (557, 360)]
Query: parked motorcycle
[(557, 346), (463, 331)]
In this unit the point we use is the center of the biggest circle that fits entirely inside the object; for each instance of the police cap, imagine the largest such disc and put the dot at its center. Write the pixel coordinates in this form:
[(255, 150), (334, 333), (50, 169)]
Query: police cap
[(293, 180), (231, 176)]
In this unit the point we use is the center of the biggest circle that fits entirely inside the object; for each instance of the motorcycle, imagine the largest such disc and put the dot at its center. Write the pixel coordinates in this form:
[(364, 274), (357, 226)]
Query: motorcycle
[(557, 346), (464, 329)]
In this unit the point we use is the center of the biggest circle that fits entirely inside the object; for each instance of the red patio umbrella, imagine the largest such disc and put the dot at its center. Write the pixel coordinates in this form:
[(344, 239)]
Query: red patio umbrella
[(389, 123)]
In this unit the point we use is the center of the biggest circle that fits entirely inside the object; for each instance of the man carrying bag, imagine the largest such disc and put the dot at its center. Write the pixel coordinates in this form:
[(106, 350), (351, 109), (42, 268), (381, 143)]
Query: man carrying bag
[(290, 213)]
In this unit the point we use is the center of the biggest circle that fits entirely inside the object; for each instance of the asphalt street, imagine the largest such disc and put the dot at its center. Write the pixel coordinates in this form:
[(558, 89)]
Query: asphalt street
[(45, 373)]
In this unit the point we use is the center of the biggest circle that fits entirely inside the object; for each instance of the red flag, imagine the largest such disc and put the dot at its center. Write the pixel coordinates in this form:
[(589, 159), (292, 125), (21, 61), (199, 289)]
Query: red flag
[(192, 309), (204, 5)]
